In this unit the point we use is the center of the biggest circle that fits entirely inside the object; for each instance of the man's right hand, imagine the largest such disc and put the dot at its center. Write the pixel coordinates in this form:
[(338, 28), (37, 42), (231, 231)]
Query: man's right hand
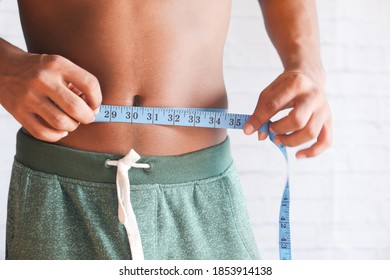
[(48, 94)]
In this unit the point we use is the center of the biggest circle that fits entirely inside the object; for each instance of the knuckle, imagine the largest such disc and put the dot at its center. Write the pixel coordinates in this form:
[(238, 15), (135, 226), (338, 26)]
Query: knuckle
[(311, 132), (71, 102), (99, 97), (328, 141), (91, 81), (94, 86), (48, 65), (33, 98), (53, 61), (60, 122), (38, 76), (317, 96), (77, 112), (271, 105), (297, 121)]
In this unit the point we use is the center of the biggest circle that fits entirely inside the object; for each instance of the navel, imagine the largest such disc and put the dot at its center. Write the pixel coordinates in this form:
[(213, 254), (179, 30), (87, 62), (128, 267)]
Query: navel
[(137, 100)]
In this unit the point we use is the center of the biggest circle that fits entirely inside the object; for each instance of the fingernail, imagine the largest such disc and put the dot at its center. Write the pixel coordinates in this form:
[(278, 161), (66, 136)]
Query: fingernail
[(262, 135), (249, 129), (271, 130), (277, 141), (64, 134), (97, 110)]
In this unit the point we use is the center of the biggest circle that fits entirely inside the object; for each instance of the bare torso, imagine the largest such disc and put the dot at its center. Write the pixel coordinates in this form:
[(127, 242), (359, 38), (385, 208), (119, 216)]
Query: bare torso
[(160, 53)]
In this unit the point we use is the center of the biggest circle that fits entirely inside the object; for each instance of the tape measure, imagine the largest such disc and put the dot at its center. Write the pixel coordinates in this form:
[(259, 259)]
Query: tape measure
[(207, 118)]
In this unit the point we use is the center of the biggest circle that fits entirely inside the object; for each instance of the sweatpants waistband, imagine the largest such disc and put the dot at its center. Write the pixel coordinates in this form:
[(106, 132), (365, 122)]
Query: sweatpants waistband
[(90, 166)]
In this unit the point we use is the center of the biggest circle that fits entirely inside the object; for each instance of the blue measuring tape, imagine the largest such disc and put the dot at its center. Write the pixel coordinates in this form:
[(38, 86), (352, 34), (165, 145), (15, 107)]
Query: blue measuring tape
[(209, 118)]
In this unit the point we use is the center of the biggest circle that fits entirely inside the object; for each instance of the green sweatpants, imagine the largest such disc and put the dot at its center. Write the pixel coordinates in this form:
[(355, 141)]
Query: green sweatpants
[(63, 205)]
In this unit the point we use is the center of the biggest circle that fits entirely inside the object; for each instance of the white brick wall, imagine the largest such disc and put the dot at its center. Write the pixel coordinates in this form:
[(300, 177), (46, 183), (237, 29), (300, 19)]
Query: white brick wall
[(341, 199)]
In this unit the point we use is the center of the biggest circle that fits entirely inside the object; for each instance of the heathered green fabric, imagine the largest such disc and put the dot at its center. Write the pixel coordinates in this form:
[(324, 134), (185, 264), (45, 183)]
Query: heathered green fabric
[(63, 205)]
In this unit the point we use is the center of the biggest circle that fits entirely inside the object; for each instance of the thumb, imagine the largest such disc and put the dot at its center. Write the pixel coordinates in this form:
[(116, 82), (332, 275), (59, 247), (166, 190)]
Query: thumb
[(267, 106), (252, 124), (261, 115)]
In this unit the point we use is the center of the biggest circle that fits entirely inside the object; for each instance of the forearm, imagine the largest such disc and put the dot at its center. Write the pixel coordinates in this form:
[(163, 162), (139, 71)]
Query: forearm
[(9, 58), (292, 27), (8, 54)]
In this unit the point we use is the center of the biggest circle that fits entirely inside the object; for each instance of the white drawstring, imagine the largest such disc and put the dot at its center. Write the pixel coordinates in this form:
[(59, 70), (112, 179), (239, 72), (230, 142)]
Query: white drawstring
[(125, 210)]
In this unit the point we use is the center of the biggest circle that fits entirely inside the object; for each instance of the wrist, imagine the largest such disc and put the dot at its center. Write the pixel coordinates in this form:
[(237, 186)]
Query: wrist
[(9, 55), (307, 62), (316, 74)]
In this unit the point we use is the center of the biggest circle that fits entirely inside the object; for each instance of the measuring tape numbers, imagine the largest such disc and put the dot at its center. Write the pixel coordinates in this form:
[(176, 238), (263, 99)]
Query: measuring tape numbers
[(206, 118)]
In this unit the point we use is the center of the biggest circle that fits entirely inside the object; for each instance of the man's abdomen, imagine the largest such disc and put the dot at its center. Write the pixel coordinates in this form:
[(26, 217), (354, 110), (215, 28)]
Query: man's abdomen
[(144, 53)]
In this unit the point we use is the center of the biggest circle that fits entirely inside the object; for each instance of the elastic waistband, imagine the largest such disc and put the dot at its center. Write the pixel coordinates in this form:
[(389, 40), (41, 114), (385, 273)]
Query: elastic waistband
[(91, 166)]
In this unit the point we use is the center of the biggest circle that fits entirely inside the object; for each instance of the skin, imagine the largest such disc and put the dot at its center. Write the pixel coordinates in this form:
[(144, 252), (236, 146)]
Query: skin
[(154, 53), (292, 27)]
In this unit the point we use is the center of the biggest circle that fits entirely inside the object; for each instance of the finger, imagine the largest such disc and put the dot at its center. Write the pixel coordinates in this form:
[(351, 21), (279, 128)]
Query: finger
[(294, 121), (39, 130), (323, 142), (262, 135), (75, 90), (81, 94), (55, 117), (308, 133), (73, 105), (85, 82), (271, 101)]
